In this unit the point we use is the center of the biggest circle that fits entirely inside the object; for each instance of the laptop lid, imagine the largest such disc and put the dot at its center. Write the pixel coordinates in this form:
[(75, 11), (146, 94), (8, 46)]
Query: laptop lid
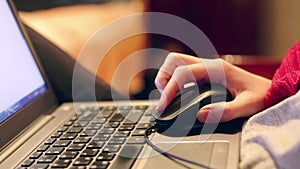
[(25, 93)]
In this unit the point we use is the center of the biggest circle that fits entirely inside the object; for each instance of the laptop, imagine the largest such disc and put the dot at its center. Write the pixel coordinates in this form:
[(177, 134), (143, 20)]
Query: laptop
[(36, 132)]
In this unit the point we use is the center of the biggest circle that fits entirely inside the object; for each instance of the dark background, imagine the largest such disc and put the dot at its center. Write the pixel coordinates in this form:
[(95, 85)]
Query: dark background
[(231, 25)]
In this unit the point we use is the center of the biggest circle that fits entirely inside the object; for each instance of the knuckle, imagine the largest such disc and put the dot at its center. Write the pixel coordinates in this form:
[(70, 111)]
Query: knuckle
[(222, 62), (172, 55), (180, 74), (180, 71)]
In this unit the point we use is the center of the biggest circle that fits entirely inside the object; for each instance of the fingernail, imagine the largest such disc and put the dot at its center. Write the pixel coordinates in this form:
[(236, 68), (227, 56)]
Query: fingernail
[(203, 113), (159, 106), (161, 103), (212, 113)]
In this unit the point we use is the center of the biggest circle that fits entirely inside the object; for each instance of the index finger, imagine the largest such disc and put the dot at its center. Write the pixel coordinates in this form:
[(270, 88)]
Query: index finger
[(166, 71)]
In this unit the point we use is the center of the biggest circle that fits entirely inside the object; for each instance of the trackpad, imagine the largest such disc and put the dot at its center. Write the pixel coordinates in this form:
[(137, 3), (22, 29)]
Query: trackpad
[(212, 154)]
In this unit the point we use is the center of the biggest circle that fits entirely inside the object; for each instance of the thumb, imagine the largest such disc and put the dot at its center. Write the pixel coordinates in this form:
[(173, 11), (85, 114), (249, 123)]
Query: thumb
[(243, 105), (216, 112)]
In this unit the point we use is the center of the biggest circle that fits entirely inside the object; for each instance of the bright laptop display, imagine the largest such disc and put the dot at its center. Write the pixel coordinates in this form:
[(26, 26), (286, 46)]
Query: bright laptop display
[(22, 82)]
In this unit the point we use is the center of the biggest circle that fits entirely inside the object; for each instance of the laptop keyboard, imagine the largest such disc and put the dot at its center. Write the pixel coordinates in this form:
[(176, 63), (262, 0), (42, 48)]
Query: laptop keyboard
[(97, 137)]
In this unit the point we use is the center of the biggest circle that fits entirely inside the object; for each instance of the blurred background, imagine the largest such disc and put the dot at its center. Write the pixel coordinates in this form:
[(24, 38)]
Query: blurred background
[(255, 27), (259, 29)]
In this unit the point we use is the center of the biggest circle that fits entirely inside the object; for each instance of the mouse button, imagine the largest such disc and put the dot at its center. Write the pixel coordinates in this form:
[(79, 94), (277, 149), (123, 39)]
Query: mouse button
[(202, 87), (209, 97), (170, 110), (203, 97), (223, 90), (179, 101), (187, 97)]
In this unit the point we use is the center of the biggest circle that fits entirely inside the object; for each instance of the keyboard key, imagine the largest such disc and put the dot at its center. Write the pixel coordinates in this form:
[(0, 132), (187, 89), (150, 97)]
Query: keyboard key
[(138, 133), (40, 166), (50, 141), (35, 155), (88, 133), (141, 107), (136, 140), (69, 123), (122, 134), (68, 136), (43, 148), (117, 140), (47, 159), (100, 165), (94, 108), (131, 151), (146, 119), (82, 140), (89, 153), (28, 163), (143, 125), (111, 148), (107, 131), (123, 112), (82, 161), (126, 128), (150, 112), (75, 130), (103, 137), (54, 150), (127, 157), (104, 156), (110, 108), (106, 113), (112, 125), (61, 163), (74, 118), (57, 134), (81, 123), (117, 118), (76, 147), (69, 155), (133, 117), (99, 120), (63, 129), (61, 143), (95, 145), (87, 116), (94, 126)]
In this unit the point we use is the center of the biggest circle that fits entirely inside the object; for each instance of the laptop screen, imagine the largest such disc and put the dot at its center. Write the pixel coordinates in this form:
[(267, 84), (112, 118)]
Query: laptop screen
[(21, 79)]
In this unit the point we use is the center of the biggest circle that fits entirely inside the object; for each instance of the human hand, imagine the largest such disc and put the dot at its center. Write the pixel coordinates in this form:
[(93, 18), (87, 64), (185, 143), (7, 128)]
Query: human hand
[(248, 89)]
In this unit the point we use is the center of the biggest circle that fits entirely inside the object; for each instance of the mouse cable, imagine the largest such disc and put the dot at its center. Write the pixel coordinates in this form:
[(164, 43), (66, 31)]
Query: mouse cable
[(152, 129)]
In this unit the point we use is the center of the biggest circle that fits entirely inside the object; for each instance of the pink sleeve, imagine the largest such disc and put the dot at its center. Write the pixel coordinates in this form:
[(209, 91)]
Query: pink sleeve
[(286, 79)]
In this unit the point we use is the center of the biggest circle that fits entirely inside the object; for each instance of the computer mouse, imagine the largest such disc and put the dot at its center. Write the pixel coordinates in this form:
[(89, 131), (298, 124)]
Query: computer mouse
[(180, 117)]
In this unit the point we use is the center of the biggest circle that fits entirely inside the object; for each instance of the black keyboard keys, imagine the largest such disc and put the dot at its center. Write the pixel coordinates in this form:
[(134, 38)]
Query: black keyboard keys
[(69, 155), (93, 139), (60, 163)]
